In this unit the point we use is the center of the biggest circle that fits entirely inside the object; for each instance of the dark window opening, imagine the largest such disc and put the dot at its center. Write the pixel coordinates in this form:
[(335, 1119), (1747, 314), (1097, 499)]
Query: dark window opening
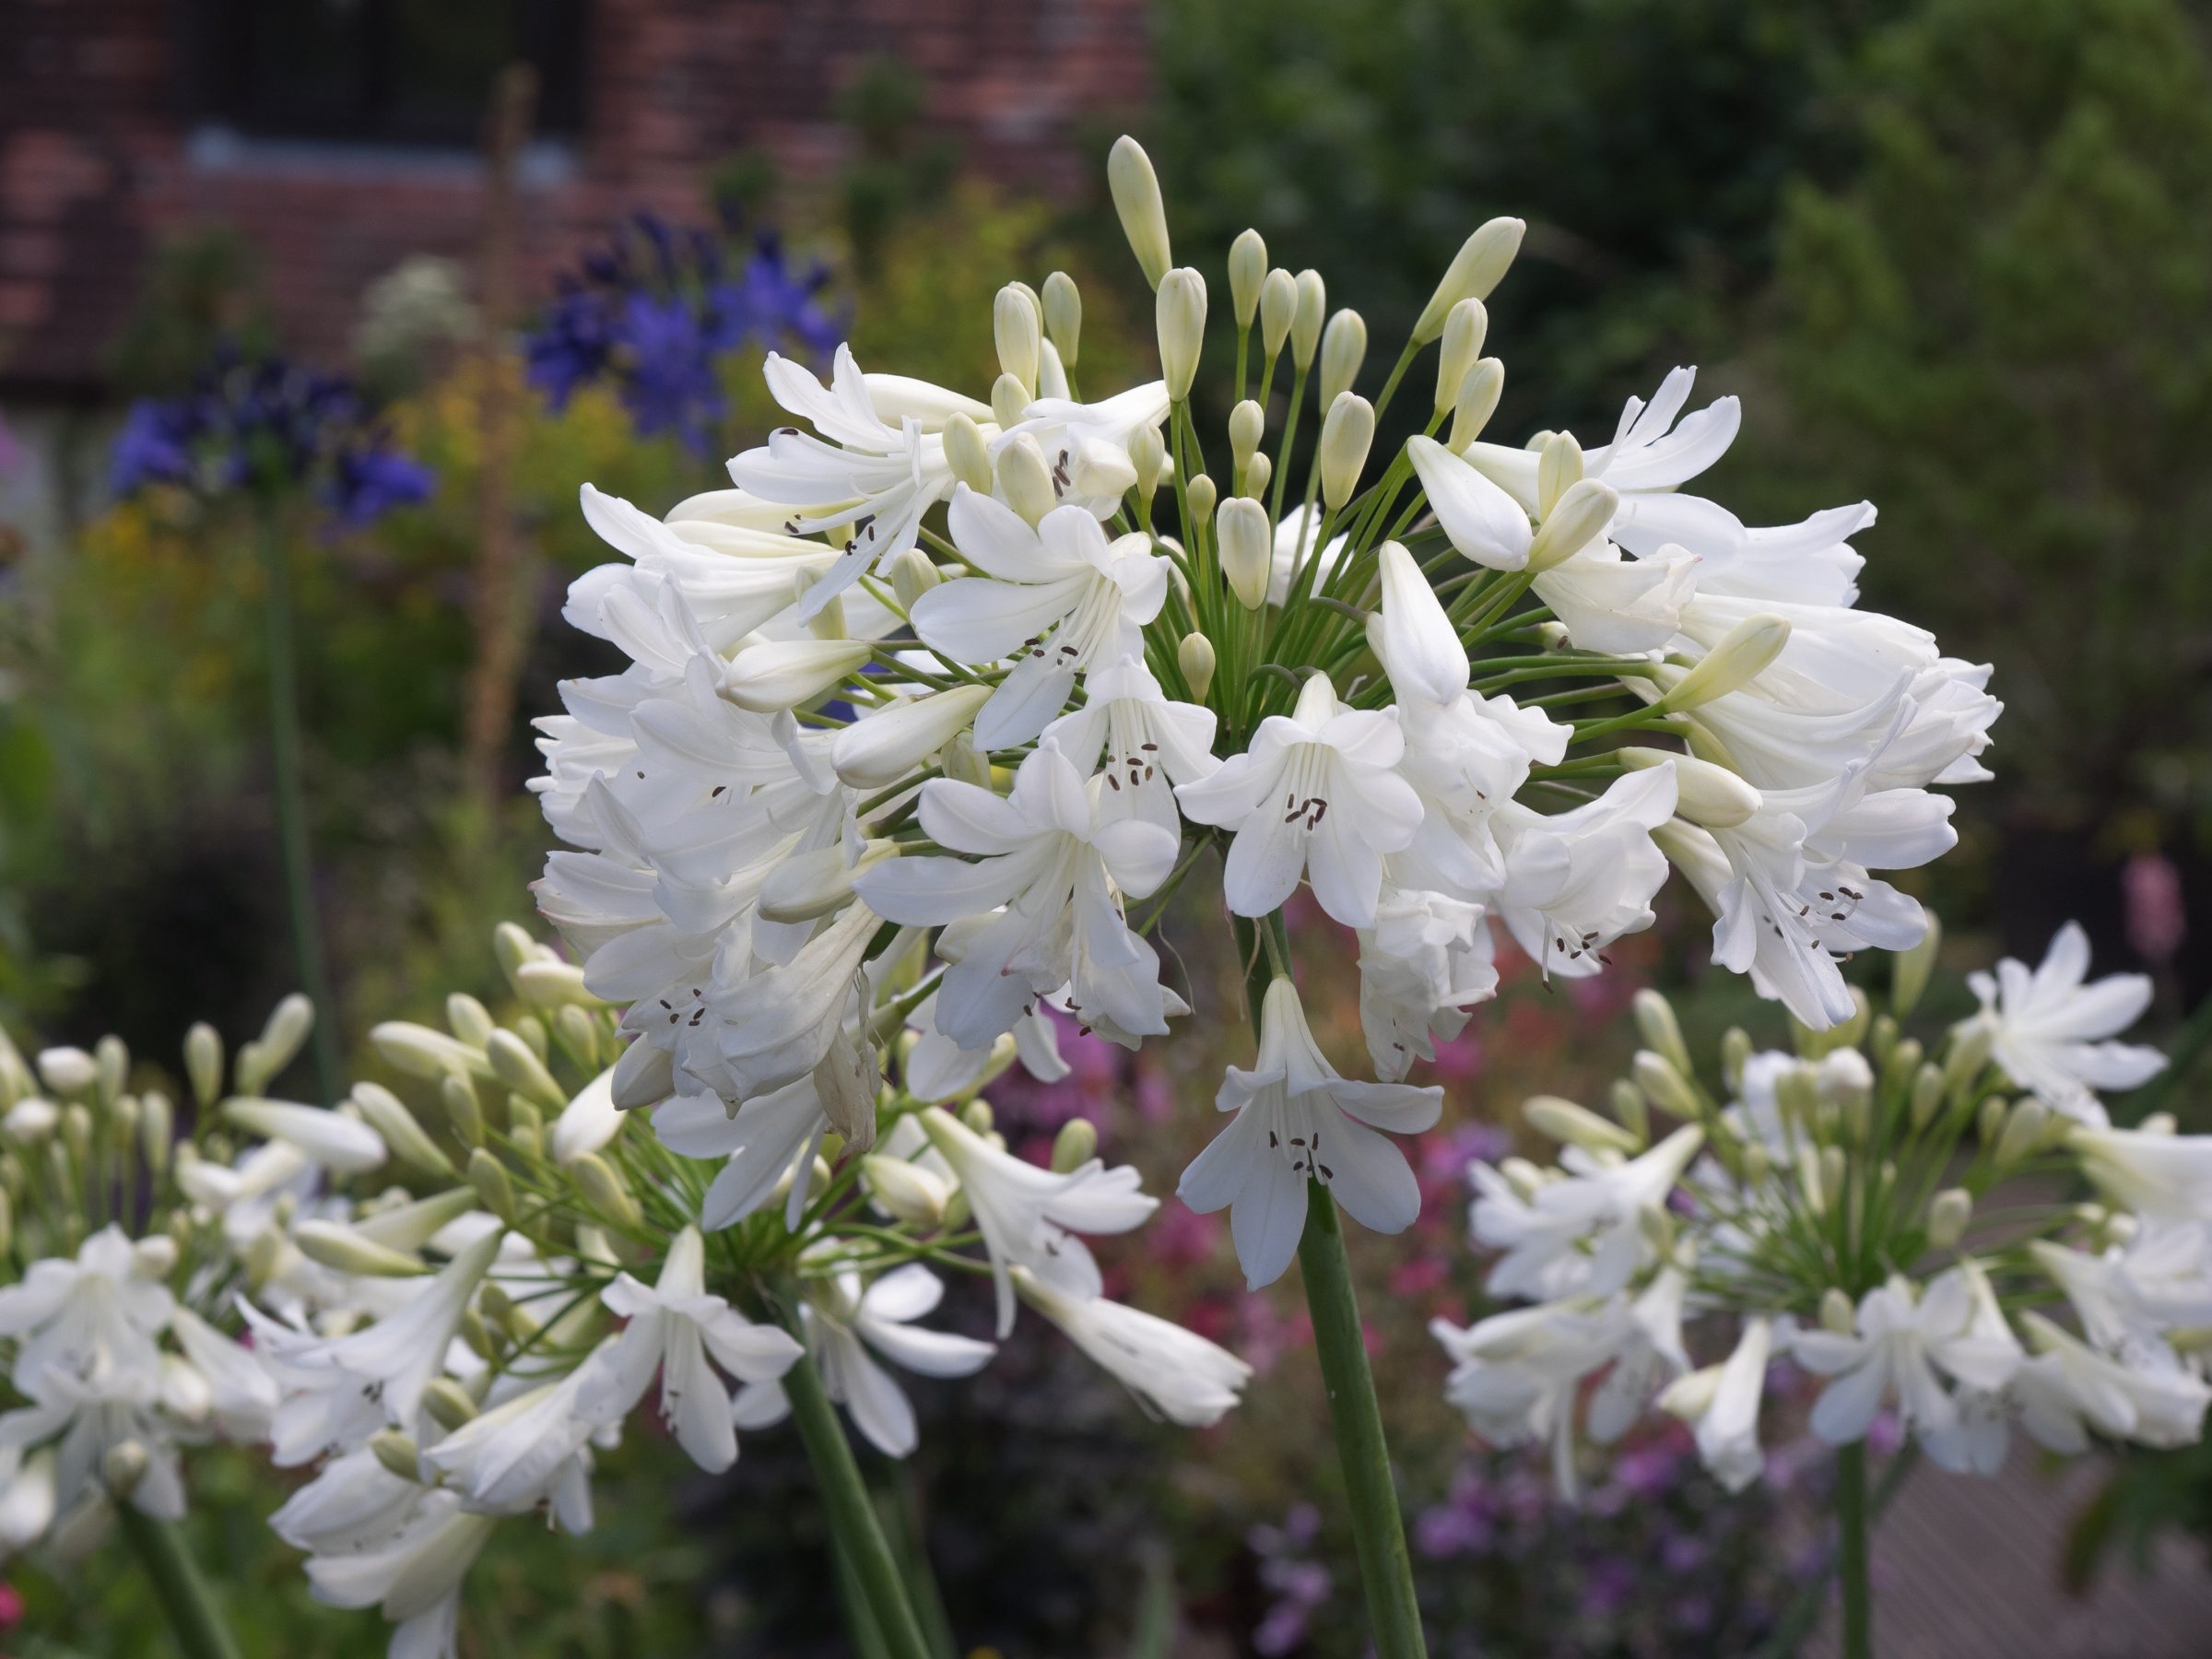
[(409, 72)]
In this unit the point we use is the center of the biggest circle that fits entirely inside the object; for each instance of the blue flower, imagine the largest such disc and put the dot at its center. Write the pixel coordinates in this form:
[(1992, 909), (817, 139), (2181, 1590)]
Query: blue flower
[(669, 384), (369, 480)]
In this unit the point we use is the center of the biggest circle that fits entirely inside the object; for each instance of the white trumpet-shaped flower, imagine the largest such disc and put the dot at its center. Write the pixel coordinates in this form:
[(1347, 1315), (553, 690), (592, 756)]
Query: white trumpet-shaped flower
[(1175, 1373), (2048, 1027)]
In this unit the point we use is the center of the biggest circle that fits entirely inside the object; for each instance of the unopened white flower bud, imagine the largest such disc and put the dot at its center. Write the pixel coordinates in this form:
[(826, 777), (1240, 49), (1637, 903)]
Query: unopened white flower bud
[(1832, 1168), (121, 1467), (1563, 1121), (1743, 652), (1558, 467), (1195, 657), (1466, 327), (1074, 1146), (1909, 969), (964, 453), (1278, 306), (1736, 1049), (31, 1120), (807, 886), (1478, 268), (1836, 1315), (1025, 480), (1343, 351), (1009, 397), (964, 763), (1136, 189), (1149, 456), (1480, 391), (156, 1132), (282, 1036), (787, 674), (76, 1130), (1577, 518), (1181, 314), (1661, 1031), (1203, 493), (1247, 545), (906, 1191), (447, 1402), (977, 1116), (1247, 273), (1663, 1085), (112, 1057), (1629, 1110), (399, 1453), (1948, 1213), (579, 1034), (1968, 1054), (912, 576), (1704, 794), (494, 1187), (15, 1081), (1346, 432), (520, 1070), (470, 1020), (68, 1071), (341, 1248), (2023, 1133), (550, 982), (1307, 317), (1257, 472), (1927, 1094), (513, 946), (1064, 316), (878, 752), (605, 1190), (1017, 327), (384, 1112), (1247, 426)]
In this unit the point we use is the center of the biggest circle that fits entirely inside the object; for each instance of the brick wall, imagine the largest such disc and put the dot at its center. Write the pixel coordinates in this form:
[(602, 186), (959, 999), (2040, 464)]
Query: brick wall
[(99, 162)]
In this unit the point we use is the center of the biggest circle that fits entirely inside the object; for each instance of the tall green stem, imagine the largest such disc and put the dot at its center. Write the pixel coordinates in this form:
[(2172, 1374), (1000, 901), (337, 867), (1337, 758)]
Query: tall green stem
[(852, 1514), (1378, 1529), (1851, 1522), (198, 1628), (291, 804)]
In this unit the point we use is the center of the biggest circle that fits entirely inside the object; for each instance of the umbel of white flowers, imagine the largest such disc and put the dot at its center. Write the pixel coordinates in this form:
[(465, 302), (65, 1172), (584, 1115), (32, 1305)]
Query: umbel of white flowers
[(1900, 1219), (927, 720)]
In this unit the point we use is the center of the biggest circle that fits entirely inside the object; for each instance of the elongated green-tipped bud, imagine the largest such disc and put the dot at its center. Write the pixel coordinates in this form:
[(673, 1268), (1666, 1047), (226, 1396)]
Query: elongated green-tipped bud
[(384, 1112), (785, 674), (1025, 480), (1064, 316), (878, 752), (1704, 794), (1203, 494), (457, 1095), (447, 1402), (1279, 307), (1247, 551), (1478, 394), (1074, 1146), (76, 1130), (1927, 1094), (805, 886), (1663, 1085), (1009, 397), (1558, 468), (469, 1020), (1578, 518), (964, 453), (906, 1191), (1948, 1213), (494, 1187), (1656, 1024), (579, 1034), (521, 1071), (1137, 198), (111, 1065), (1909, 969), (342, 1250), (513, 946), (399, 1453), (1257, 472), (912, 576), (1347, 433), (1629, 1110), (1465, 328), (2023, 1133), (1148, 455), (1247, 273), (1247, 426), (1736, 1049), (1743, 652), (1195, 656), (156, 1133), (282, 1036), (1180, 308), (1570, 1124), (605, 1190), (1016, 328), (411, 1225), (1837, 1314), (1306, 319), (550, 982), (1968, 1054), (1478, 266), (1343, 351)]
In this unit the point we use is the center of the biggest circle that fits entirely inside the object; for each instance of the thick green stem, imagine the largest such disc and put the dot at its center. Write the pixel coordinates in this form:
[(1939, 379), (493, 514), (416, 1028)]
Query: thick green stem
[(1850, 1558), (292, 807), (852, 1514), (198, 1628)]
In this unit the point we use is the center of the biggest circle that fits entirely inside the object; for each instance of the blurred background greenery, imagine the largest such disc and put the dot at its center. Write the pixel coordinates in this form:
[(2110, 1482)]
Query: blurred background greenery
[(1956, 255)]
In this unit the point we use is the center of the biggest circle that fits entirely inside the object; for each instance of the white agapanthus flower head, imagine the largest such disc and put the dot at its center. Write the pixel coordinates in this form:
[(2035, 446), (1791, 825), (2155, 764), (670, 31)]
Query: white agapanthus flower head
[(1892, 1218)]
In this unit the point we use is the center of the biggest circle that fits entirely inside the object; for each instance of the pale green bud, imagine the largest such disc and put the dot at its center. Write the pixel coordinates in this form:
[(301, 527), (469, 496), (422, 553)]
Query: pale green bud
[(1836, 1315), (1948, 1213), (1464, 329), (479, 1335), (399, 1453), (1968, 1054), (605, 1190), (1181, 315), (1064, 316), (1306, 320), (513, 946), (76, 1130), (966, 454), (1346, 432), (879, 752), (1247, 426), (1203, 493), (1016, 328), (1579, 517), (1909, 969), (1136, 189), (1247, 553), (1989, 1119), (1704, 794), (550, 982), (2023, 1133), (518, 1067), (532, 1031), (1736, 1049), (1563, 1121), (1247, 274), (1074, 1146), (964, 763), (15, 1076), (1664, 1086), (977, 1115), (121, 1467), (1148, 455), (1257, 472), (1194, 655), (422, 1052), (1478, 266), (1927, 1094), (1834, 1167), (912, 576), (1278, 306), (384, 1112), (156, 1133), (1881, 1041), (493, 1185), (1025, 480), (805, 886), (1009, 397), (469, 1020), (1656, 1022), (68, 1071), (113, 1057), (1902, 1062), (343, 1250), (448, 1404), (1559, 469), (524, 1122), (1630, 1109), (282, 1036), (1343, 349), (1744, 650), (7, 1222), (1480, 391), (906, 1191)]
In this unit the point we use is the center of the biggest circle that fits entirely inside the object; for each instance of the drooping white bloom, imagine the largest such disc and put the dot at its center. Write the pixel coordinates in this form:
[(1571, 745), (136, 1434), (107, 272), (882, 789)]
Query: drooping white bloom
[(1175, 1373), (1314, 796), (1577, 880), (2069, 1388), (845, 1323), (242, 1395), (1060, 598), (1425, 963), (770, 1137), (1149, 743), (1723, 1403), (1516, 1375), (1898, 1344), (2165, 1177), (2047, 1027), (341, 1144), (1583, 1234), (674, 1328), (98, 1313), (527, 1451), (414, 1576), (1041, 907), (1030, 1217), (1297, 1121)]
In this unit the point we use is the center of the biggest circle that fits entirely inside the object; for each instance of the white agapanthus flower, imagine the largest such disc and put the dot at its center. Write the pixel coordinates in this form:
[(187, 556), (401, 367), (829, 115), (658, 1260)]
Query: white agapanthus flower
[(2049, 1029)]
